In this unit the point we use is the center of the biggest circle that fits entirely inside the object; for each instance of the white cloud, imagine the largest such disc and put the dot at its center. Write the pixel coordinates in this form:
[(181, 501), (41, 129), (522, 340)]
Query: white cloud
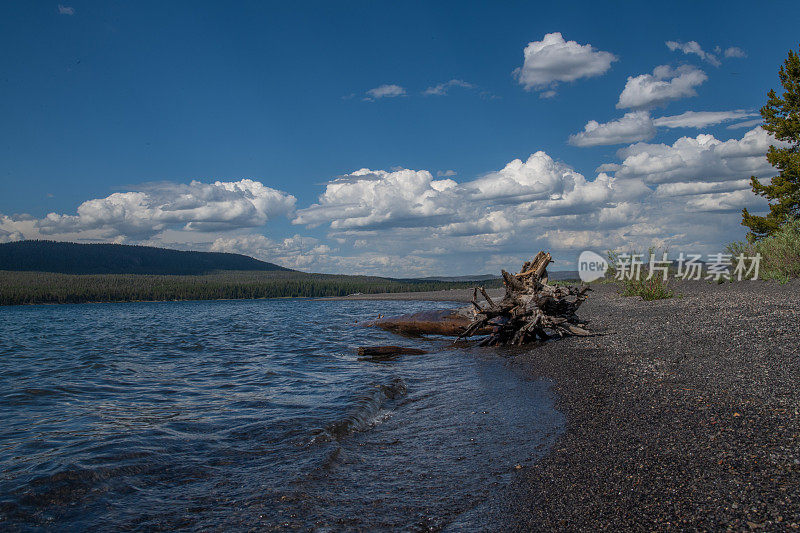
[(385, 91), (735, 51), (409, 206), (701, 158), (689, 188), (445, 173), (553, 60), (406, 223), (138, 215), (442, 88), (701, 119), (607, 167), (687, 196), (65, 10), (307, 254), (547, 94), (692, 47), (663, 85), (366, 199), (731, 202), (632, 127), (746, 124), (540, 178), (297, 252)]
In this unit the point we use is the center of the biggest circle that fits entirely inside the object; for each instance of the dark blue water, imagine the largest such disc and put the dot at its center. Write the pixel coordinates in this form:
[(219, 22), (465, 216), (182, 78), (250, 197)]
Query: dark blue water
[(251, 415)]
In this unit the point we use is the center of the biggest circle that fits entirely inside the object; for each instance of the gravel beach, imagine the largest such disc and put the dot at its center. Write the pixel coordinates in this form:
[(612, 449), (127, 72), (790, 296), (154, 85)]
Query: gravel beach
[(683, 414)]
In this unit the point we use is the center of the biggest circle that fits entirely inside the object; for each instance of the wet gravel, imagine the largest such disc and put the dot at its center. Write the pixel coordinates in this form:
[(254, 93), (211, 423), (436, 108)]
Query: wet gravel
[(685, 414)]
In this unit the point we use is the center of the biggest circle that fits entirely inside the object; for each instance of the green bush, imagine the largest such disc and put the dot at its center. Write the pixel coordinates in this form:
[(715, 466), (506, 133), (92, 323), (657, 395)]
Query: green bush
[(656, 288), (780, 252), (647, 289)]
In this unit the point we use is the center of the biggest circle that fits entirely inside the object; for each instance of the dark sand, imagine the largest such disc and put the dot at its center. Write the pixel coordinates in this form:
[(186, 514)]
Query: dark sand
[(684, 415)]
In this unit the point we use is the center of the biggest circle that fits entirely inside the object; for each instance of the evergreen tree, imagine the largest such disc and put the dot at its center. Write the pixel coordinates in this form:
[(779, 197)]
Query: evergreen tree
[(782, 119)]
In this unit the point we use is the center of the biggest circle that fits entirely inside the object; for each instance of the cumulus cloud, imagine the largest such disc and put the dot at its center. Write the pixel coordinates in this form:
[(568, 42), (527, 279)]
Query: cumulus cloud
[(480, 211), (662, 86), (701, 119), (555, 208), (193, 207), (692, 47), (735, 51), (443, 88), (687, 196), (632, 127), (553, 60), (638, 126), (405, 222), (367, 198), (539, 178), (65, 10), (385, 91), (703, 158)]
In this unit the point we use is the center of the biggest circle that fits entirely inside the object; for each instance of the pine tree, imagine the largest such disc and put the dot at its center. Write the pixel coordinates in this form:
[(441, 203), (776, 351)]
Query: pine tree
[(782, 119)]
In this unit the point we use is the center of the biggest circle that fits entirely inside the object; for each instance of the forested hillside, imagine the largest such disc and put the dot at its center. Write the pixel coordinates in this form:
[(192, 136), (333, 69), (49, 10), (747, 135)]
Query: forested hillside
[(34, 272), (74, 258)]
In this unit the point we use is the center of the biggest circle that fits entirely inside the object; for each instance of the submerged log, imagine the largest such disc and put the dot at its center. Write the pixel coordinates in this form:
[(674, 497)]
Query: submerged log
[(531, 308), (450, 322)]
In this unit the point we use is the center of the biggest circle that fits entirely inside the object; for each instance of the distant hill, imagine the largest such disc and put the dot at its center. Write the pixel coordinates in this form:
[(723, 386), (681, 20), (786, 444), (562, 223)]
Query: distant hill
[(563, 275), (74, 258)]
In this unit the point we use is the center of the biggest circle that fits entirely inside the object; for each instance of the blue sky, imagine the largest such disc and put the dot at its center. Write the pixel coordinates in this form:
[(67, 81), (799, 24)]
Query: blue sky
[(141, 113)]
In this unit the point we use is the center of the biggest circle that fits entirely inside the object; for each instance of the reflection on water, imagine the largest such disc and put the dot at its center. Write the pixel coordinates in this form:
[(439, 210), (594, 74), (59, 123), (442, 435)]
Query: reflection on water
[(251, 414)]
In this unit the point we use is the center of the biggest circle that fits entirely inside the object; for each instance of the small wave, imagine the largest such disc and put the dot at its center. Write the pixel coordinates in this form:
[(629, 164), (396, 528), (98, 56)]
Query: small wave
[(367, 412)]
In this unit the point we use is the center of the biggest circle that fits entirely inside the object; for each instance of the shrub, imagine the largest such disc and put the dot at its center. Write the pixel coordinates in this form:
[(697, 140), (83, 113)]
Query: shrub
[(656, 288), (648, 289), (780, 252)]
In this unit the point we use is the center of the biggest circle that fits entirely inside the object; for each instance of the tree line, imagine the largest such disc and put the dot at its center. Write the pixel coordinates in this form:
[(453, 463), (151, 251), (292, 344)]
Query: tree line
[(54, 288)]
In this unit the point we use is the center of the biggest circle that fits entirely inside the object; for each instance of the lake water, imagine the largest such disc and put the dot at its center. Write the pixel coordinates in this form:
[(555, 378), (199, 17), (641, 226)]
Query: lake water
[(252, 415)]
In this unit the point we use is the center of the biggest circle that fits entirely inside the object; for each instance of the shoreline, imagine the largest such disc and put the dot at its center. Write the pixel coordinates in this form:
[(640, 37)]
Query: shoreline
[(450, 295), (683, 414)]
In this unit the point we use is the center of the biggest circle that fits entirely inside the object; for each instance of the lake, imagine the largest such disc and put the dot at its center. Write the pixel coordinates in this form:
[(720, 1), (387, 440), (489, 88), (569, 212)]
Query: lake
[(253, 414)]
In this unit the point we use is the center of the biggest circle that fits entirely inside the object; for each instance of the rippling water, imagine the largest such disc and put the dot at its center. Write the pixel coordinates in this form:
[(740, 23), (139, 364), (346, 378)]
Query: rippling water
[(251, 414)]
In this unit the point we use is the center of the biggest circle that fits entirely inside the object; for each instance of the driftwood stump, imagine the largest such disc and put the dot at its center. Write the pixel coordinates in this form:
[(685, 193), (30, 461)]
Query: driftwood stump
[(531, 308)]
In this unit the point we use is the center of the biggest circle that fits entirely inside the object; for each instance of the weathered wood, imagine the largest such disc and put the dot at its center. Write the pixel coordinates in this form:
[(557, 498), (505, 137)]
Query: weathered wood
[(450, 322), (486, 296), (531, 308)]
